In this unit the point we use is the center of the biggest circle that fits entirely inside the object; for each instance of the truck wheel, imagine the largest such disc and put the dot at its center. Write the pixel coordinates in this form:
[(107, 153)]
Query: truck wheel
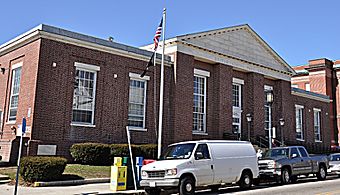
[(321, 175), (285, 176), (246, 180), (187, 186), (152, 191)]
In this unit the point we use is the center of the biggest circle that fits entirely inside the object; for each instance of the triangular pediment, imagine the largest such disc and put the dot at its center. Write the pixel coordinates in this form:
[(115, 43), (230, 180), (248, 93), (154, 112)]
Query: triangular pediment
[(240, 42)]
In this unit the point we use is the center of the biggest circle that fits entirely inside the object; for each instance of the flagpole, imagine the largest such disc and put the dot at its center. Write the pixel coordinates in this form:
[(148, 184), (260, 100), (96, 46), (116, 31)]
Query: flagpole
[(160, 119)]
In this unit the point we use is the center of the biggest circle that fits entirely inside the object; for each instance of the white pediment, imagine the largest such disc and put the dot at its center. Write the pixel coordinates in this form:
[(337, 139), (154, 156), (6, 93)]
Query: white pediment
[(240, 42)]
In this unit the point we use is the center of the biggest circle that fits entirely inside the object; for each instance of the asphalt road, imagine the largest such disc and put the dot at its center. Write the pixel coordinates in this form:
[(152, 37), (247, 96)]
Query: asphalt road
[(308, 186)]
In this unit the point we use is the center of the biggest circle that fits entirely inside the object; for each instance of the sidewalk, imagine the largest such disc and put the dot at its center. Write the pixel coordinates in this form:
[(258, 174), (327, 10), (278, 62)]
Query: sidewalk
[(87, 189)]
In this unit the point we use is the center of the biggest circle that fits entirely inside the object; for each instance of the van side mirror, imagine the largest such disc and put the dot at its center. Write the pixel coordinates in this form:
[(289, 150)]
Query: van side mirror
[(294, 155), (199, 155)]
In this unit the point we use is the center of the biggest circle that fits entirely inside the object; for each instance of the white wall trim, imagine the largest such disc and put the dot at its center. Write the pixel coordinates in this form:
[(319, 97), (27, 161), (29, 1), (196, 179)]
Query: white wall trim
[(238, 81), (201, 72), (137, 76), (299, 106), (310, 97), (316, 109), (268, 87), (17, 65), (87, 66)]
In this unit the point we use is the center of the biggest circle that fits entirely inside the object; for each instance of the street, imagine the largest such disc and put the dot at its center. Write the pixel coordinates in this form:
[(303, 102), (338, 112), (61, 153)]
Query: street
[(308, 186)]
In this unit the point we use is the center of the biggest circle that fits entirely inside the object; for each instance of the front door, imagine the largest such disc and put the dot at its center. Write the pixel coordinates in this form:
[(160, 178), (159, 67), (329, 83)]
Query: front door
[(297, 161), (204, 169)]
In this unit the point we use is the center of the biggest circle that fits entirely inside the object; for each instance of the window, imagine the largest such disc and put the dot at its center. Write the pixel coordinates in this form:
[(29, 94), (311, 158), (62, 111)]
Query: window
[(84, 94), (299, 123), (237, 105), (14, 98), (267, 110), (237, 95), (307, 87), (137, 101), (199, 107), (294, 152), (317, 114), (303, 152), (203, 148)]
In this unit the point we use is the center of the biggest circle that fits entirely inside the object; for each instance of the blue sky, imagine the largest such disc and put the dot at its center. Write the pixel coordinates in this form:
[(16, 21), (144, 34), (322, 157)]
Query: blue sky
[(298, 30)]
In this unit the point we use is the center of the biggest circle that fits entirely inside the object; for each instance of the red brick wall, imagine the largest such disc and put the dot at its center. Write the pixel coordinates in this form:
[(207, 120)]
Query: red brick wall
[(51, 102), (29, 56), (55, 95)]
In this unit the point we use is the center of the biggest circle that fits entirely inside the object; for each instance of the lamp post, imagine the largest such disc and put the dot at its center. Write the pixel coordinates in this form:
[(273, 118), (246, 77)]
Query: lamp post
[(282, 123), (269, 101), (249, 118)]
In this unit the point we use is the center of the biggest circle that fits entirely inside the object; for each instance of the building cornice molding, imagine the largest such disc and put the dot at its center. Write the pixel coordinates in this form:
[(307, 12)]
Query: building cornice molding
[(305, 94), (229, 60), (38, 33)]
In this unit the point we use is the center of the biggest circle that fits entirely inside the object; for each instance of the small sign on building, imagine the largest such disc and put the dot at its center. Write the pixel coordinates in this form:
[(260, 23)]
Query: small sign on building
[(47, 150)]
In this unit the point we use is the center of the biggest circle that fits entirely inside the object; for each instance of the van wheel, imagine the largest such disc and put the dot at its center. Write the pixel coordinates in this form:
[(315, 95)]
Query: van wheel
[(285, 176), (321, 175), (152, 191), (187, 186), (246, 180)]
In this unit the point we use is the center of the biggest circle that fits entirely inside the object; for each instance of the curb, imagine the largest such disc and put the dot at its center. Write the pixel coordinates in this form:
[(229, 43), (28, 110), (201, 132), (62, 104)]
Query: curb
[(71, 182)]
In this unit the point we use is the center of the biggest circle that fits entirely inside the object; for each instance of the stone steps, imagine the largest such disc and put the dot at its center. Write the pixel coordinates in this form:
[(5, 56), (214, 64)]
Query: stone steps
[(4, 179)]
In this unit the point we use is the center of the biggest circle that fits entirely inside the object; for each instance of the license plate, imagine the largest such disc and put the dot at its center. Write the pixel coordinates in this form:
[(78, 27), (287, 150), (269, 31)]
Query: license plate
[(152, 184)]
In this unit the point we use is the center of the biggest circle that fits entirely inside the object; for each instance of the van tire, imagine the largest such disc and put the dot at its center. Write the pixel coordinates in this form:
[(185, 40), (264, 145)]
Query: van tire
[(285, 176), (187, 186), (321, 175), (246, 180), (152, 191)]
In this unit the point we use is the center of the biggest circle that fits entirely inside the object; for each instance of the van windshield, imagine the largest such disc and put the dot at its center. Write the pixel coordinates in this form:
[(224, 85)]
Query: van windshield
[(179, 151)]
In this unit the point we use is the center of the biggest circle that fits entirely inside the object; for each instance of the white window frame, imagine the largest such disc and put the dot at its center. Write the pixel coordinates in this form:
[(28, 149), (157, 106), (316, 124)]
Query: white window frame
[(268, 88), (1, 119), (93, 69), (205, 75), (307, 86), (137, 77), (237, 110), (299, 107), (15, 66), (317, 111)]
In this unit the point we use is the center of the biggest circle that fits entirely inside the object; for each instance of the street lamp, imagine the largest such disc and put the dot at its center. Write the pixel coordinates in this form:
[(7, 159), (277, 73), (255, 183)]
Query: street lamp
[(249, 118), (269, 101), (282, 123)]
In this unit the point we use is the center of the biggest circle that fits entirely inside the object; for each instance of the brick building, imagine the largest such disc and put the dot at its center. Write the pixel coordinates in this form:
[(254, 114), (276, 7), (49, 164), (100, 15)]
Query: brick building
[(75, 88), (322, 76)]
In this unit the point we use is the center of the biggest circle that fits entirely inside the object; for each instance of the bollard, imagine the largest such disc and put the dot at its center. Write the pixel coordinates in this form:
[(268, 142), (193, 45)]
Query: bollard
[(139, 164)]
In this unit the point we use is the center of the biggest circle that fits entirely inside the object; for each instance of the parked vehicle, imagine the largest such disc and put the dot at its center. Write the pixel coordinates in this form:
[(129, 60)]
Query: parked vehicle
[(334, 164), (187, 165), (285, 164)]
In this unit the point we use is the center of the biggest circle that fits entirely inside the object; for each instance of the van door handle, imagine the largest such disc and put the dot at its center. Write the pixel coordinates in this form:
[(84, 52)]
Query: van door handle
[(212, 166)]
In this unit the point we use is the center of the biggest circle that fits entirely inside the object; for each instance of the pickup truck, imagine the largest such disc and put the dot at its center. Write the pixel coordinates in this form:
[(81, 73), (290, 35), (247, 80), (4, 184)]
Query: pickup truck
[(285, 164)]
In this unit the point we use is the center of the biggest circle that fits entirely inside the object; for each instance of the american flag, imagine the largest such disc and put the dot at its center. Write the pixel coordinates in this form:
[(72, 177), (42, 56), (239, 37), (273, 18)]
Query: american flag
[(158, 34)]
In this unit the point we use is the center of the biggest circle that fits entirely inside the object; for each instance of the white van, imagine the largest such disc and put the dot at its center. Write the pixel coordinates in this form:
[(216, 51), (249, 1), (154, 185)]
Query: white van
[(206, 163)]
